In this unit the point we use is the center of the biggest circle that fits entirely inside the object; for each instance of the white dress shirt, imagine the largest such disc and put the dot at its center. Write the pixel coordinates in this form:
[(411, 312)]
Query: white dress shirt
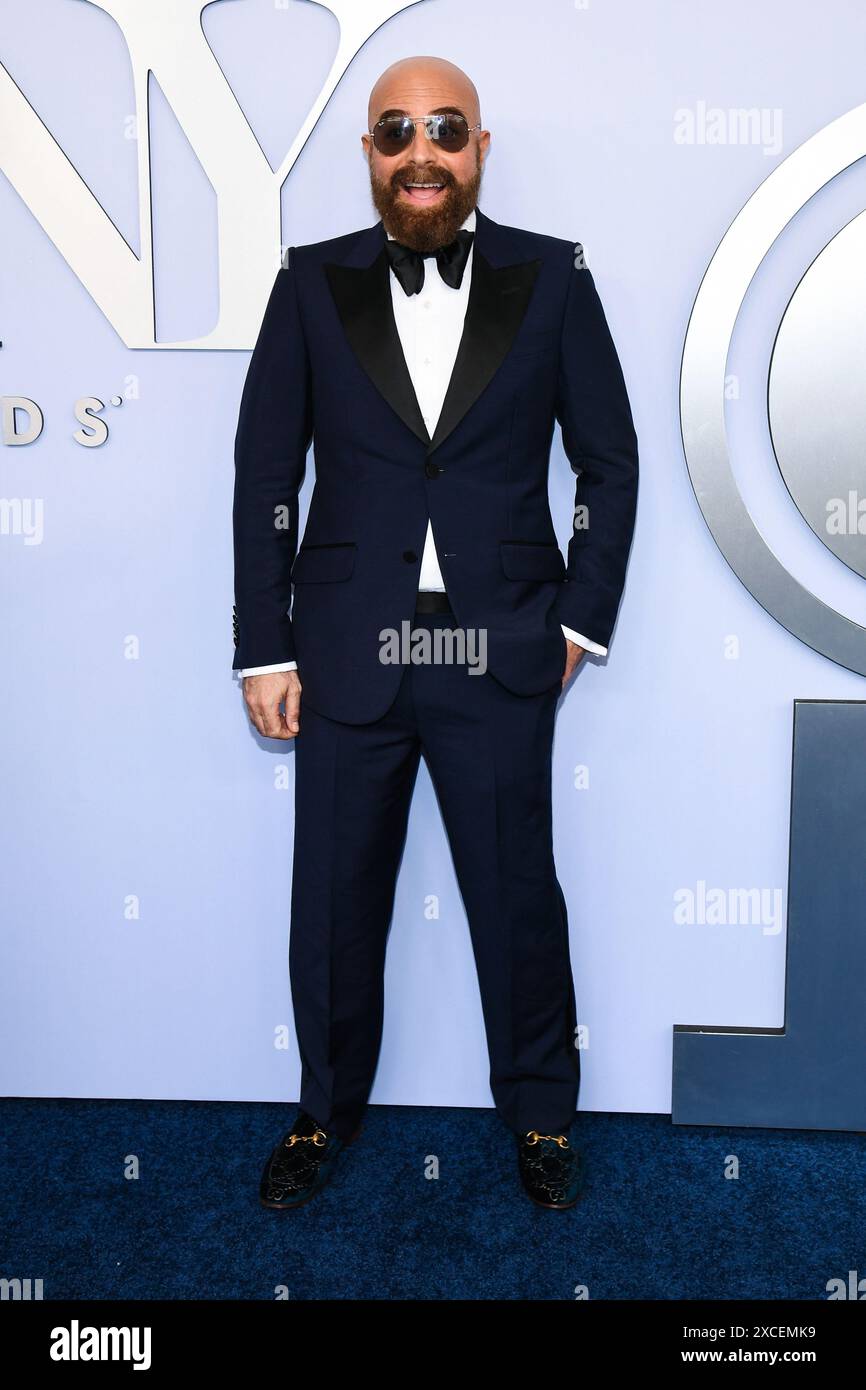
[(430, 325)]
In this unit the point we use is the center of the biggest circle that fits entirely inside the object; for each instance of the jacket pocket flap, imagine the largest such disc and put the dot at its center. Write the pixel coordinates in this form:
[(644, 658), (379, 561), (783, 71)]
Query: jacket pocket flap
[(531, 560), (318, 564)]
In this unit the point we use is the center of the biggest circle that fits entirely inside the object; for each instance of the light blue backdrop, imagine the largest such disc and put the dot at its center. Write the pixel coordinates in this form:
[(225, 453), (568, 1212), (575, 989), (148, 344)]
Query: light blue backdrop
[(143, 777)]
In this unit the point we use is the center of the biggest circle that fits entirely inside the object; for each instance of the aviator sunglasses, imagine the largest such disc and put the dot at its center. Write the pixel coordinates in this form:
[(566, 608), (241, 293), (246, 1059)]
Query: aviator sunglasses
[(392, 134)]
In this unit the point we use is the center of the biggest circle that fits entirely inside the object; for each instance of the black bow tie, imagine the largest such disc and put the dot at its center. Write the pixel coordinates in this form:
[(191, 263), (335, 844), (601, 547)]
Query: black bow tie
[(408, 264)]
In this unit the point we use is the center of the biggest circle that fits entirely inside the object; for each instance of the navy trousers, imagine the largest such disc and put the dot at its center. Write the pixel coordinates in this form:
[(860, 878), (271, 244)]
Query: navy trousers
[(489, 756)]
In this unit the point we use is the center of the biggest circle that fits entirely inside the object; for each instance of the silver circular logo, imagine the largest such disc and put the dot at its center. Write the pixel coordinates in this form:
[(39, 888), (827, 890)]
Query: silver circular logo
[(816, 393)]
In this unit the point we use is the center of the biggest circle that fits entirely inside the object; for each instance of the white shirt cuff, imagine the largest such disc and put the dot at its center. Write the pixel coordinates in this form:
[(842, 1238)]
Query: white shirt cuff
[(266, 670), (584, 641)]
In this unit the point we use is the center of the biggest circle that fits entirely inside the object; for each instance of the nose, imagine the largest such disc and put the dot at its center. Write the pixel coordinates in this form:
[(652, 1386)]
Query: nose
[(421, 150)]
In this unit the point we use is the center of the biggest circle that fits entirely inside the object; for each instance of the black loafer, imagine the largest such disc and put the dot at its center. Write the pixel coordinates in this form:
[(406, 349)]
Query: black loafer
[(551, 1170), (301, 1164)]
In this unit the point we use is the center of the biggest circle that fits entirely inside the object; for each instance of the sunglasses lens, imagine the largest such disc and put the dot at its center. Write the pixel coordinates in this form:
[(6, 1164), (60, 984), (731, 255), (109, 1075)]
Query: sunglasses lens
[(393, 134), (451, 133)]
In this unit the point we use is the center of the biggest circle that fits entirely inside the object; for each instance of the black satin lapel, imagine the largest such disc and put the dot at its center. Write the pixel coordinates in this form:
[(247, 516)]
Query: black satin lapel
[(498, 299), (363, 299)]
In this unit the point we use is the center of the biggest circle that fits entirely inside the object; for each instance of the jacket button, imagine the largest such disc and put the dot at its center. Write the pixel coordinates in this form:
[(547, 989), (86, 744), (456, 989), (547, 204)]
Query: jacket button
[(432, 470), (410, 557)]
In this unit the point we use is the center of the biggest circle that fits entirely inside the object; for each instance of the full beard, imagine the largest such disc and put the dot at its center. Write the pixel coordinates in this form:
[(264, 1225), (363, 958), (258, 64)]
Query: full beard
[(425, 228)]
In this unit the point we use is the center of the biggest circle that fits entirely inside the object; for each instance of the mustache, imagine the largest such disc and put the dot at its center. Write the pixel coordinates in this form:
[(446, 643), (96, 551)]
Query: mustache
[(427, 175)]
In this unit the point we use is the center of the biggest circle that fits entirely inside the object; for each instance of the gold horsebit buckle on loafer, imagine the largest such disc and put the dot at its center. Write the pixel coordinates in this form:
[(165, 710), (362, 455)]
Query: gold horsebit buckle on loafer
[(533, 1137), (305, 1138)]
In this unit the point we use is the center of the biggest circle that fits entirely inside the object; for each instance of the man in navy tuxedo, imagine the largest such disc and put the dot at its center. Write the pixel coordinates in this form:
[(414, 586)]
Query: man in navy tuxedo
[(428, 358)]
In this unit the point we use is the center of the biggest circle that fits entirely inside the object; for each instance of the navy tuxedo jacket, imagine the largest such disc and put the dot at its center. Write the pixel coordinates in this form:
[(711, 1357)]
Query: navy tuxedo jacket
[(328, 368)]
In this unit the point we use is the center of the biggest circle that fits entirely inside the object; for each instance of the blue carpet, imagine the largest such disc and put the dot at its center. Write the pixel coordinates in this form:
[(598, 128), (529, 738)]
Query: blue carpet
[(658, 1219)]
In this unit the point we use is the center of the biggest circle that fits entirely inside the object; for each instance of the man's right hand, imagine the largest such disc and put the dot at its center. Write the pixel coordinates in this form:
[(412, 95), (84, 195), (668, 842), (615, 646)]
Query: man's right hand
[(263, 695)]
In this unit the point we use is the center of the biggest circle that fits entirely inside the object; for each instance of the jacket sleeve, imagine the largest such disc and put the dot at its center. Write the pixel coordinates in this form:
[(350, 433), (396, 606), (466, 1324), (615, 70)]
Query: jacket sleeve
[(599, 440), (274, 432)]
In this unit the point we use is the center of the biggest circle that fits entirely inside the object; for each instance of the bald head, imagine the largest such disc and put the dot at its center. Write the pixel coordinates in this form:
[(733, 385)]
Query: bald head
[(418, 85)]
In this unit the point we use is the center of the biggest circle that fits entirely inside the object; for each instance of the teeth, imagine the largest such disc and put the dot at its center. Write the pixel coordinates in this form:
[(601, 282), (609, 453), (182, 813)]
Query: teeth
[(423, 185)]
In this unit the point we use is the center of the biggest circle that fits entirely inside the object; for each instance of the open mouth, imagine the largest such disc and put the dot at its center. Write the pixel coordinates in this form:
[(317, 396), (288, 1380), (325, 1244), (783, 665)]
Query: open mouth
[(416, 192)]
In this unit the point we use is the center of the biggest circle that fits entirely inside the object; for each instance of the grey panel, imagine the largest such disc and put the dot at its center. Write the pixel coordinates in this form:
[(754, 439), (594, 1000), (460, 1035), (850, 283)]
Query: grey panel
[(811, 1073)]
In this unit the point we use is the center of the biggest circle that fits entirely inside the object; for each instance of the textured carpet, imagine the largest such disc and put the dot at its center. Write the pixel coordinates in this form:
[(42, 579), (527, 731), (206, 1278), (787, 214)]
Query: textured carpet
[(658, 1218)]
